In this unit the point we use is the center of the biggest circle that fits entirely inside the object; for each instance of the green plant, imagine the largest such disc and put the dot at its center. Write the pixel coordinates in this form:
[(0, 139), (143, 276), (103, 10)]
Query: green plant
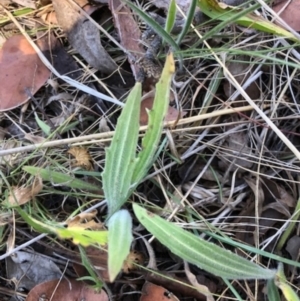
[(124, 170)]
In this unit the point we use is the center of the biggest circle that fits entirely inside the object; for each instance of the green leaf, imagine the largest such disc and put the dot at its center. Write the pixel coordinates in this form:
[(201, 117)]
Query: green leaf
[(82, 236), (120, 156), (59, 178), (171, 16), (89, 267), (189, 20), (44, 127), (155, 123), (119, 241), (195, 250), (225, 13), (282, 283), (273, 293), (78, 234)]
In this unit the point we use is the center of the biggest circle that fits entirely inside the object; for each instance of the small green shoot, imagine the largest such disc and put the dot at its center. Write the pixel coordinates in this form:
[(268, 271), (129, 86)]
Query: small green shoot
[(43, 126)]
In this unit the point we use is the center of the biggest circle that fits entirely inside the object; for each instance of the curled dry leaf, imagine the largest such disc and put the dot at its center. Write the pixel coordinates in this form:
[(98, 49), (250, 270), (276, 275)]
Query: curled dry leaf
[(83, 35), (82, 157), (132, 258), (85, 221), (17, 54), (152, 292), (67, 290), (21, 195)]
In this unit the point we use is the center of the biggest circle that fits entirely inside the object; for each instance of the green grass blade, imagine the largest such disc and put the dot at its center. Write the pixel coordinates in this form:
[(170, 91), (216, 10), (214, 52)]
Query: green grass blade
[(195, 250), (273, 293), (212, 9), (119, 241), (188, 21), (89, 267), (120, 156), (156, 27), (290, 228), (59, 178), (171, 16), (155, 123), (231, 242)]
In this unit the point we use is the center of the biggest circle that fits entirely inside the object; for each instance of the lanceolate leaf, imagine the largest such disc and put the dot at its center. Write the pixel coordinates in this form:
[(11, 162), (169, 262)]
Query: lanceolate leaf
[(195, 250), (120, 156), (222, 12), (59, 178), (155, 123), (171, 16), (119, 241)]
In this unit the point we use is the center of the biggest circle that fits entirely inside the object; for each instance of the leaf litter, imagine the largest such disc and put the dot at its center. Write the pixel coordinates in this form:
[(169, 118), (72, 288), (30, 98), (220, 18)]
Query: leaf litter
[(233, 170)]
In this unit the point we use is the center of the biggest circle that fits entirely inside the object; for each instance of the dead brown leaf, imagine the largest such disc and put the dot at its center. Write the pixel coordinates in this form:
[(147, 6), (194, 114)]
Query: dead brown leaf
[(65, 289), (98, 258), (237, 152), (132, 258), (172, 114), (17, 54), (22, 195), (82, 157), (279, 193), (83, 35), (128, 30), (85, 221), (290, 12), (155, 292), (241, 70)]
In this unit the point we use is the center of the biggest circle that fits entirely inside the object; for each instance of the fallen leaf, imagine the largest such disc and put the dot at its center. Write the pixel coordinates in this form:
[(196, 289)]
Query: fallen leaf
[(132, 258), (61, 60), (83, 35), (82, 157), (293, 247), (129, 32), (30, 269), (241, 70), (147, 102), (22, 195), (155, 292), (65, 289), (279, 193), (290, 13), (236, 152), (85, 221), (17, 54)]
